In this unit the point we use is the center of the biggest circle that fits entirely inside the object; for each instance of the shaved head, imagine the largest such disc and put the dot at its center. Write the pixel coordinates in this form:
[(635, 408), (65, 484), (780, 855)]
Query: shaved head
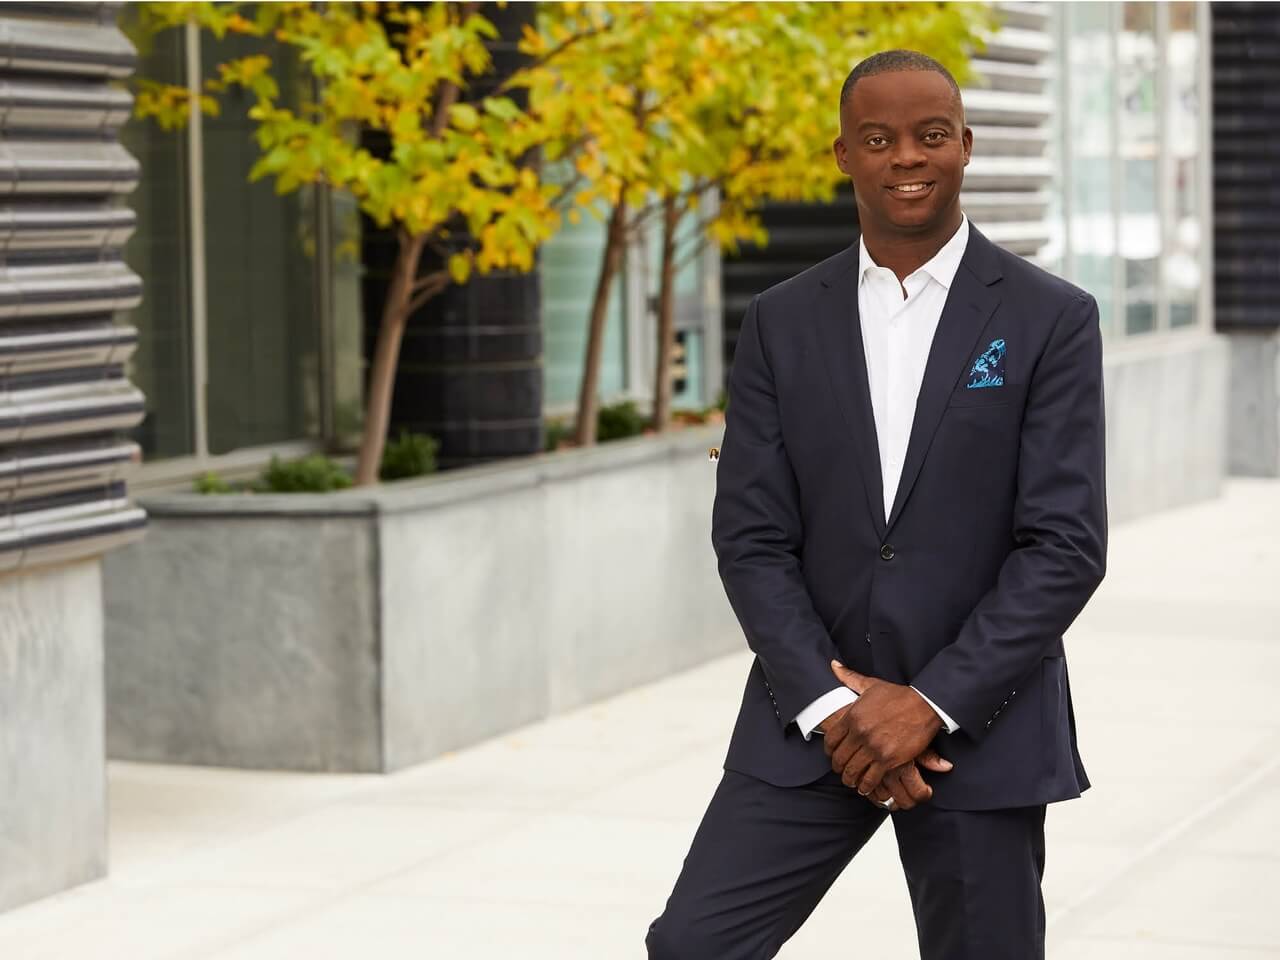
[(891, 61)]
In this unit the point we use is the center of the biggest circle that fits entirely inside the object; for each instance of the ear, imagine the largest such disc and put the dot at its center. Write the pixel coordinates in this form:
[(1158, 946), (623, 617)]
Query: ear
[(842, 155), (966, 139)]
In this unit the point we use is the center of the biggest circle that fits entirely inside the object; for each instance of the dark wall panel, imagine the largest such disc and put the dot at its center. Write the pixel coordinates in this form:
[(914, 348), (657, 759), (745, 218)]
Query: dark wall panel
[(1246, 143)]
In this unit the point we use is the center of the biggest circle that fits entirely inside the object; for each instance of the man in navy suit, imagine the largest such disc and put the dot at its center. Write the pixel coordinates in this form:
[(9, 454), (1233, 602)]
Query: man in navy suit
[(910, 512)]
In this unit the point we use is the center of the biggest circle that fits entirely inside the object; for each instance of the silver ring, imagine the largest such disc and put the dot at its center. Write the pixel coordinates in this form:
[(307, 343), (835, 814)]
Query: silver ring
[(888, 804)]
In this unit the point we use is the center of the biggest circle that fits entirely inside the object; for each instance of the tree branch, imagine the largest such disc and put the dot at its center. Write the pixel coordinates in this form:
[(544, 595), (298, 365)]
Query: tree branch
[(510, 82), (429, 286)]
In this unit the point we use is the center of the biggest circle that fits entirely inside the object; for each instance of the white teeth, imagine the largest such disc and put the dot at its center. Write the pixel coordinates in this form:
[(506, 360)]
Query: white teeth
[(910, 187)]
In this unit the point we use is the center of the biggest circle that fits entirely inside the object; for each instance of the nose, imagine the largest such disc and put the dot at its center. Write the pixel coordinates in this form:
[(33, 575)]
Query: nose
[(907, 154)]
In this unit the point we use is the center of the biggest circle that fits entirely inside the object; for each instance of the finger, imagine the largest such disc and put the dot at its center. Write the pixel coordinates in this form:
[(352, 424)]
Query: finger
[(890, 788), (835, 735), (903, 798), (914, 784), (852, 773), (850, 678), (872, 776), (930, 759), (843, 753)]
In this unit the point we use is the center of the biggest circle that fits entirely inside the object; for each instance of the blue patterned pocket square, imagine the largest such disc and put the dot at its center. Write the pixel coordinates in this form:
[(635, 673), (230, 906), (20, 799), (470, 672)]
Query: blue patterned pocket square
[(988, 369)]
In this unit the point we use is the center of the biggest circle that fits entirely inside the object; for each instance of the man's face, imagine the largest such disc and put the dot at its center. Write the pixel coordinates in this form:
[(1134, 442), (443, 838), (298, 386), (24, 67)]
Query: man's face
[(904, 144)]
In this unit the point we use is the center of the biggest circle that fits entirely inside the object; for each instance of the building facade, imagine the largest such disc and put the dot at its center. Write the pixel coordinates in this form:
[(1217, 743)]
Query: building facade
[(1091, 157)]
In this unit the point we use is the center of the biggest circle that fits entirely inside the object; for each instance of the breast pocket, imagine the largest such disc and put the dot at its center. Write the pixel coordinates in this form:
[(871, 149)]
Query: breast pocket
[(1012, 393)]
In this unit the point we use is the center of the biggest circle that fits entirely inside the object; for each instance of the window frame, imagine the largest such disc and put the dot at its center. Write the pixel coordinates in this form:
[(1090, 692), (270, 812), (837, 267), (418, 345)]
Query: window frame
[(244, 461), (1114, 326)]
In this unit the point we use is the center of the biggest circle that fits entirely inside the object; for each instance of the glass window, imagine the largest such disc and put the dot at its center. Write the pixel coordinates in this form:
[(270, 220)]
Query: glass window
[(688, 307), (1053, 255), (569, 264), (159, 252), (1090, 79), (348, 323), (263, 329), (1140, 231), (1181, 263)]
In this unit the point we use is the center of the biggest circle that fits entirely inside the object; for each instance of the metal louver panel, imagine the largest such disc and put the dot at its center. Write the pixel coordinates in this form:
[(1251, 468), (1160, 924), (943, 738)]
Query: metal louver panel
[(71, 107), (67, 288), (63, 45), (1006, 185), (74, 227), (25, 354), (65, 167), (1246, 199), (64, 393), (36, 473)]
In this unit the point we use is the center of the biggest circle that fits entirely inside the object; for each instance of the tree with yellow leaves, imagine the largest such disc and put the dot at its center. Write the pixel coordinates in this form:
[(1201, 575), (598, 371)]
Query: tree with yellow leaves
[(659, 104), (456, 180)]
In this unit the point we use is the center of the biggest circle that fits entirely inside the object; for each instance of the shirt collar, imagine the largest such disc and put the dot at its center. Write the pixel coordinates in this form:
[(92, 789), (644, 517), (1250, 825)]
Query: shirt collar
[(942, 266)]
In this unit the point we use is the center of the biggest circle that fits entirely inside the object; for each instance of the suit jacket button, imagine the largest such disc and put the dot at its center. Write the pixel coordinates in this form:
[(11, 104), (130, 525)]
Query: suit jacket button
[(886, 552)]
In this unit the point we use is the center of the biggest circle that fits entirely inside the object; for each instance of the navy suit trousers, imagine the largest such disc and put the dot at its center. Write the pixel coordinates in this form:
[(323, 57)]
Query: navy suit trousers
[(764, 856)]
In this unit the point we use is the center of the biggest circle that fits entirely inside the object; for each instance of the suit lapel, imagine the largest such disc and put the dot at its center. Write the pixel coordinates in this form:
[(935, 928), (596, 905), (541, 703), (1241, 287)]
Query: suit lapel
[(840, 337), (970, 303)]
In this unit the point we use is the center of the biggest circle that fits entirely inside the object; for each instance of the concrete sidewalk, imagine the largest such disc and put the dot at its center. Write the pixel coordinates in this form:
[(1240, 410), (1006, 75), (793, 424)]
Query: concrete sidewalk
[(541, 844)]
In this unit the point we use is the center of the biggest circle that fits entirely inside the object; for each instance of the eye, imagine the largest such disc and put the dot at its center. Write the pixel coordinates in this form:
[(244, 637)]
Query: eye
[(871, 141), (934, 136)]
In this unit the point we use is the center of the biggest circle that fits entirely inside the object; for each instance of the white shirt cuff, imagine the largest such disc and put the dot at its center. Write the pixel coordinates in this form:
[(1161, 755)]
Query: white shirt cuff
[(827, 704), (947, 722)]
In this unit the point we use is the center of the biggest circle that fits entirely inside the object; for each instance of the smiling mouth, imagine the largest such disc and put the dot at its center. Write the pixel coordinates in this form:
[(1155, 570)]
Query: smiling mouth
[(914, 188)]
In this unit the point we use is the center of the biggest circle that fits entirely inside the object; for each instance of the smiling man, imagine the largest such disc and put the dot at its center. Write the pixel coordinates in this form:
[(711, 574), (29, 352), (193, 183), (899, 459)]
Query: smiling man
[(910, 512)]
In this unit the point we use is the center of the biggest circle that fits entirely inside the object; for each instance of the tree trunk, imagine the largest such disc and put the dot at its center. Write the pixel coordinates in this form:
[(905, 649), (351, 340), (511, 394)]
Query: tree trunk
[(610, 261), (666, 317), (386, 356)]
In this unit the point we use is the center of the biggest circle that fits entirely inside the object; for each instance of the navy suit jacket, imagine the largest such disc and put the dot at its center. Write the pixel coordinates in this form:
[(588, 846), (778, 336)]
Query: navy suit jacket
[(996, 539)]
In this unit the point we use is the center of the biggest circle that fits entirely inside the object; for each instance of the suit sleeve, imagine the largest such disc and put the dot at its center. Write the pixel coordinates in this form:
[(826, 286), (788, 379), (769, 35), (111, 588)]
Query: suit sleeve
[(757, 533), (1059, 531)]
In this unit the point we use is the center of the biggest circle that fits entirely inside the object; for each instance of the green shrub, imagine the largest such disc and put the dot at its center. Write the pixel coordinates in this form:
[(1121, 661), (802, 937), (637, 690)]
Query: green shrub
[(555, 431), (210, 482), (412, 455), (312, 474), (618, 421)]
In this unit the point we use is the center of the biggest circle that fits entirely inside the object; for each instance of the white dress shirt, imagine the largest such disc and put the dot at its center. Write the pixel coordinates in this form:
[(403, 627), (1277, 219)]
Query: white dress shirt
[(897, 333)]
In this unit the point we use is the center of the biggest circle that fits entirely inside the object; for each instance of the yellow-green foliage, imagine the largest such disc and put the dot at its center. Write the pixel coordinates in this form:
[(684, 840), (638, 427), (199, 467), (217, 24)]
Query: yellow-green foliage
[(674, 98), (647, 103), (403, 70), (643, 98)]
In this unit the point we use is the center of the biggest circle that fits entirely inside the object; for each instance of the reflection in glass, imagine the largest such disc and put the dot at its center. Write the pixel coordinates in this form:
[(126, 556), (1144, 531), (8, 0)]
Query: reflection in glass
[(1181, 264), (263, 331), (1090, 187), (1140, 238), (687, 307), (569, 264), (348, 320), (158, 252)]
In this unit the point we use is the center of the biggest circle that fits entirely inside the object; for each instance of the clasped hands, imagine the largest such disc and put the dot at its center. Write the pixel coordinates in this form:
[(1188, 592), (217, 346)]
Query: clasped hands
[(879, 743)]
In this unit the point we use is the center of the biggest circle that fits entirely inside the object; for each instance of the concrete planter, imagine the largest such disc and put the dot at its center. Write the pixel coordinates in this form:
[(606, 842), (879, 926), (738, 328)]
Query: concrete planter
[(1167, 420), (371, 629), (368, 630)]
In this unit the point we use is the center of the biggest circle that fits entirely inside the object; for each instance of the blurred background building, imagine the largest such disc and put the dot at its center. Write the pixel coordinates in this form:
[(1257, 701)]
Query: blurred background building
[(1092, 156)]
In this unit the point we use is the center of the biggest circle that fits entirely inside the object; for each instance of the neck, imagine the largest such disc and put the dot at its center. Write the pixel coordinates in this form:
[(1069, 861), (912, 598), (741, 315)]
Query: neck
[(905, 253)]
